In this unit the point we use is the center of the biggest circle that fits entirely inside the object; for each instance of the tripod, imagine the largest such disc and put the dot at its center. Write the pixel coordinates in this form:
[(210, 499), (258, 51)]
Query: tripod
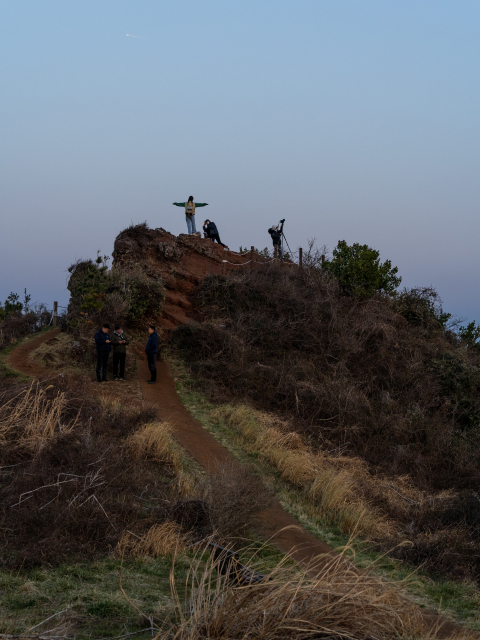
[(286, 241)]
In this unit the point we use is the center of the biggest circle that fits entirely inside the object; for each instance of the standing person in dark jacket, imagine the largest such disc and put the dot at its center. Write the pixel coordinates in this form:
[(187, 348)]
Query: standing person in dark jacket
[(190, 212), (210, 230), (276, 234), (119, 345), (102, 342), (151, 351)]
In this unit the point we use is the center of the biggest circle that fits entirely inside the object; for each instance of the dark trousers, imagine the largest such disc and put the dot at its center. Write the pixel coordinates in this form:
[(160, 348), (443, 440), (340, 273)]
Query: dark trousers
[(152, 357), (280, 250), (102, 364), (119, 359), (215, 236)]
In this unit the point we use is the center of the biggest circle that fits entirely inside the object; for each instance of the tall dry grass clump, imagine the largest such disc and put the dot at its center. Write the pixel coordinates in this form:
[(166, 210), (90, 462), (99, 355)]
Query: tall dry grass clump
[(153, 441), (330, 485), (163, 539), (338, 603), (31, 418)]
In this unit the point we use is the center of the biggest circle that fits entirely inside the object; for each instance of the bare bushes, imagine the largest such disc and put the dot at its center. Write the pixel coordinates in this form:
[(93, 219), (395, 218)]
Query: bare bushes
[(80, 478), (19, 324), (339, 603), (375, 377), (69, 484)]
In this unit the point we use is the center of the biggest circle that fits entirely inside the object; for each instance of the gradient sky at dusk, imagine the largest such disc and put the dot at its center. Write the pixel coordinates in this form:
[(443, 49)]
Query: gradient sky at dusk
[(353, 120)]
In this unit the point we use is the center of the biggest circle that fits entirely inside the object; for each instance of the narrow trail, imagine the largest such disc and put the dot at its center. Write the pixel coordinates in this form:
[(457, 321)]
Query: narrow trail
[(275, 524), (209, 452)]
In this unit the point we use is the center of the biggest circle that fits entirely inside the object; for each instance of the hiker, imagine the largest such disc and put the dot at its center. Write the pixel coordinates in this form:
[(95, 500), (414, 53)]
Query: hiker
[(210, 231), (119, 345), (276, 234), (190, 212), (103, 344), (151, 351)]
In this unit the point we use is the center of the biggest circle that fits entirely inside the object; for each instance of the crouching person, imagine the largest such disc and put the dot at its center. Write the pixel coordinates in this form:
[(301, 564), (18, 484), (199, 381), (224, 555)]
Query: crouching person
[(151, 351), (102, 342), (119, 345)]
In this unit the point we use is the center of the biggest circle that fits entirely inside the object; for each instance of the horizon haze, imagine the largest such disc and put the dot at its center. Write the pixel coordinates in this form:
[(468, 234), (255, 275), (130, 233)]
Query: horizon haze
[(354, 121)]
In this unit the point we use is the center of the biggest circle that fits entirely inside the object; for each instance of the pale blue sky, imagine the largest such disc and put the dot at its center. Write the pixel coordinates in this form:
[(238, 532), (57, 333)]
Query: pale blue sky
[(353, 119)]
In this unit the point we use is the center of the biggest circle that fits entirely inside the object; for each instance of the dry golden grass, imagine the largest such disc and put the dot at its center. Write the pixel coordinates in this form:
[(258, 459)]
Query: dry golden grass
[(164, 539), (154, 442), (31, 418), (338, 603), (330, 483)]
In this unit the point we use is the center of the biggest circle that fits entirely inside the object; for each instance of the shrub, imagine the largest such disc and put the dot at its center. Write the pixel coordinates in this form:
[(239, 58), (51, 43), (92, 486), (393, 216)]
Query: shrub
[(20, 323), (13, 305), (122, 294), (359, 271), (421, 307), (470, 335)]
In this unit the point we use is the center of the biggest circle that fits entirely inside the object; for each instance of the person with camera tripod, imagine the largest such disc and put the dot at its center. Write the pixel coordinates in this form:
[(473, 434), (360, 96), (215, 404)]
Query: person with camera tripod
[(276, 234)]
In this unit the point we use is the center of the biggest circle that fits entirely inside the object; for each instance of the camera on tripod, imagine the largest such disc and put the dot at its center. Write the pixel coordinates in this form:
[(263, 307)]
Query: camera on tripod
[(282, 221)]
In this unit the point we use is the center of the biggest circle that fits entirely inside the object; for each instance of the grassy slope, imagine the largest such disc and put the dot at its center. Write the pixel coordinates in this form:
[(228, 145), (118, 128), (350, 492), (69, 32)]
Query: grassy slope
[(91, 596), (87, 595), (454, 600)]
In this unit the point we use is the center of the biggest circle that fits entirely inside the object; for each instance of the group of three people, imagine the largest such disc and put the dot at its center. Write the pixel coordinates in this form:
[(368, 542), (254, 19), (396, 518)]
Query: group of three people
[(118, 342), (210, 229)]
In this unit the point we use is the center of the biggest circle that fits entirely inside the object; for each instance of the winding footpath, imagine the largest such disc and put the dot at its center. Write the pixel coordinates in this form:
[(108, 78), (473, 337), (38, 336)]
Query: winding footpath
[(275, 524)]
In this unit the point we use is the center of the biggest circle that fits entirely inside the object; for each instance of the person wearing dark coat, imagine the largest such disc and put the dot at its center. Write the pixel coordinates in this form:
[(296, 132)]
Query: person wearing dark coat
[(151, 351), (210, 230), (276, 234), (103, 344), (119, 345)]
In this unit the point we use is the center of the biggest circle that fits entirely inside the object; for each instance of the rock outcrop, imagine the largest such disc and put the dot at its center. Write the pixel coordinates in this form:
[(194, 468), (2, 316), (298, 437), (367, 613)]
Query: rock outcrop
[(181, 261)]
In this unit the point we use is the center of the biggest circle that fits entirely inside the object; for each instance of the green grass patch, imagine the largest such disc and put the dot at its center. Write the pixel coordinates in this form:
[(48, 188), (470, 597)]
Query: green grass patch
[(89, 596), (455, 600)]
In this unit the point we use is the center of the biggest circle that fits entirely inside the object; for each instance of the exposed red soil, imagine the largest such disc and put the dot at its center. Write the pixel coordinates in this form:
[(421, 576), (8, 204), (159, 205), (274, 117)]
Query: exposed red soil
[(182, 262), (276, 524)]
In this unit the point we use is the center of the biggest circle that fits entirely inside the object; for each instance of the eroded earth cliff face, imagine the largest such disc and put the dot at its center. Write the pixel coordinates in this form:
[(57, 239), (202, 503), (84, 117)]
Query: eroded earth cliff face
[(180, 261)]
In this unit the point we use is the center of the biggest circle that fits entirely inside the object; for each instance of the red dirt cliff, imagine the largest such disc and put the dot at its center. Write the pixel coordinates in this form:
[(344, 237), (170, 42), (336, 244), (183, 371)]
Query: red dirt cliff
[(181, 261)]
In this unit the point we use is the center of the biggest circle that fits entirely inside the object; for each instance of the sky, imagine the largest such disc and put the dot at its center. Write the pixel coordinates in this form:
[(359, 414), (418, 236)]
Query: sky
[(353, 120)]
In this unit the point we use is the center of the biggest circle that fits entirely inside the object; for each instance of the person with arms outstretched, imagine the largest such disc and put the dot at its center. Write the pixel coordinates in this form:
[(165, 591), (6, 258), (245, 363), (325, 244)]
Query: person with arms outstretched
[(190, 212)]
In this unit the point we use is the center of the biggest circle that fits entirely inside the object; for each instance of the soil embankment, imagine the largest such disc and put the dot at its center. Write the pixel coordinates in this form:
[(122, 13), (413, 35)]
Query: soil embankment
[(181, 262)]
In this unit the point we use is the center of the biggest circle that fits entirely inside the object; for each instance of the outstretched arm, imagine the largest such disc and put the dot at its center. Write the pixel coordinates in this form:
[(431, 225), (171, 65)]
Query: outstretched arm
[(201, 204), (180, 204)]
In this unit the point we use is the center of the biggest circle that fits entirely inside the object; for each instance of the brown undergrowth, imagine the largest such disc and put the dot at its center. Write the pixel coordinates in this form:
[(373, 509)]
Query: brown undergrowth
[(385, 399), (81, 477)]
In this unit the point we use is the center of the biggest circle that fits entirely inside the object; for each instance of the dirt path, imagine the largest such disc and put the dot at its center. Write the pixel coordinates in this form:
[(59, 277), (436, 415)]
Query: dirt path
[(208, 452), (20, 358), (276, 524)]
